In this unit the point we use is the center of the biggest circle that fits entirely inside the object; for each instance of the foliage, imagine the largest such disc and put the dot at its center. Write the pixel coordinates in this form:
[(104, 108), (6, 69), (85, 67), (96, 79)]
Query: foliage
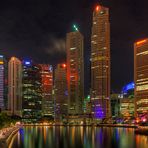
[(6, 120)]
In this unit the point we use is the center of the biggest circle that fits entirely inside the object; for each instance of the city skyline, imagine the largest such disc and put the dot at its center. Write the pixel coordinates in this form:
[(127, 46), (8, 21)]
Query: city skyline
[(39, 34), (74, 74)]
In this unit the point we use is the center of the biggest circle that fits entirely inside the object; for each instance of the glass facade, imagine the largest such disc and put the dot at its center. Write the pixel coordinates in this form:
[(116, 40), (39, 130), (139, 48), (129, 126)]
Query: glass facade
[(3, 83), (100, 63), (75, 72), (61, 94), (141, 76), (32, 93), (15, 86), (47, 87)]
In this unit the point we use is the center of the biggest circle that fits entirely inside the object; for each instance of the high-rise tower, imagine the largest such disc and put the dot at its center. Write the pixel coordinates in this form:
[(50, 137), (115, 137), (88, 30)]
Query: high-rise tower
[(61, 94), (75, 71), (141, 77), (32, 92), (47, 87), (15, 86), (3, 83), (100, 63)]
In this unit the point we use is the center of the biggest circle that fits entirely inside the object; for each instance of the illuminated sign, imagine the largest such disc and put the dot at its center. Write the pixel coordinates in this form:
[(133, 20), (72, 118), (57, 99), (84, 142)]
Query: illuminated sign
[(129, 86), (27, 63), (50, 68), (97, 8), (140, 42), (75, 27), (1, 56), (64, 65)]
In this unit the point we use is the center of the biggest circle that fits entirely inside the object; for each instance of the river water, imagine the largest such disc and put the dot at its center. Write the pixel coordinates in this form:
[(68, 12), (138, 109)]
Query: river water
[(77, 137)]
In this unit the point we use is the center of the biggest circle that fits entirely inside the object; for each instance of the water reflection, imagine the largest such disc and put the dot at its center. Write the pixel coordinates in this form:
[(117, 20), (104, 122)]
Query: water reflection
[(77, 137)]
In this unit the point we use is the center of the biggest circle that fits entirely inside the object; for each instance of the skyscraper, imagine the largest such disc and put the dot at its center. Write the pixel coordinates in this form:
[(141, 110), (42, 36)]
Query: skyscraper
[(15, 86), (141, 76), (3, 83), (47, 87), (100, 63), (32, 93), (61, 94), (75, 71)]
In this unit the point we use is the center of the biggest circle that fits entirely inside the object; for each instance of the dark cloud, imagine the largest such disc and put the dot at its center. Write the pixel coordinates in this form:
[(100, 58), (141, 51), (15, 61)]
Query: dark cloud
[(56, 45)]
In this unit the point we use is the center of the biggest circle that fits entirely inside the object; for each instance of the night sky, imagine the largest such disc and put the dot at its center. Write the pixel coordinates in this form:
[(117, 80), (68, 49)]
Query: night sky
[(36, 29)]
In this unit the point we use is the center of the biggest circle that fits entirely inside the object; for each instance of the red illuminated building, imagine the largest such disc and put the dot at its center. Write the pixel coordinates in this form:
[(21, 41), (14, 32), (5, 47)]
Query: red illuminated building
[(61, 94), (47, 87)]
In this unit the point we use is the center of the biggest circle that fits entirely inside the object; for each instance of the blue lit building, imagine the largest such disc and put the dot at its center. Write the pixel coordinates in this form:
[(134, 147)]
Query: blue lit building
[(127, 106), (128, 90), (32, 94)]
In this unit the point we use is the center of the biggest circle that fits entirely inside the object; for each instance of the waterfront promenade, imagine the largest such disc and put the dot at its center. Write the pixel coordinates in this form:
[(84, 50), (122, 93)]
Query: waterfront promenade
[(6, 135)]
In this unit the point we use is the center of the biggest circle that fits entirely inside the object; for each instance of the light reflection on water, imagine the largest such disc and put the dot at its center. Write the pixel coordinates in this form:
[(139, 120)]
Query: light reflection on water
[(78, 137)]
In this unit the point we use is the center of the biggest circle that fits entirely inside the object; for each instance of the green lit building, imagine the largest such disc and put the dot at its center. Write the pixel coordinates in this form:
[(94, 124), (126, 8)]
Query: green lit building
[(86, 103), (115, 104)]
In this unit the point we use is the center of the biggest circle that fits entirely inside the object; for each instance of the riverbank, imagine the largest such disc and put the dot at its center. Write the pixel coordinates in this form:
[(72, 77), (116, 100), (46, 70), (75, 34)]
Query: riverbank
[(117, 125), (77, 136), (142, 130), (6, 135), (94, 125)]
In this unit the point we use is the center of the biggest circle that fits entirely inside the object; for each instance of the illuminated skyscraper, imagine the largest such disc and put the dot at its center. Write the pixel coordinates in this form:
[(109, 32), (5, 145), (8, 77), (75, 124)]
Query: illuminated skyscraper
[(100, 63), (75, 71), (61, 94), (47, 87), (3, 83), (15, 86), (32, 92), (141, 76)]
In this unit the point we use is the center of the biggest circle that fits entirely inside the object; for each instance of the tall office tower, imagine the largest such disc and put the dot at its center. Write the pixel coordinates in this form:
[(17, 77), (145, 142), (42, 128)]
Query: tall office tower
[(141, 76), (61, 94), (100, 63), (47, 87), (15, 86), (3, 83), (75, 71), (32, 92)]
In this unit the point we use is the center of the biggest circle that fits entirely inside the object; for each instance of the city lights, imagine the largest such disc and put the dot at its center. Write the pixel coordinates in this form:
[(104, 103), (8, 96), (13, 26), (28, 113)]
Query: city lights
[(140, 76), (75, 27), (64, 65), (27, 62), (128, 87), (97, 8), (65, 94), (141, 42)]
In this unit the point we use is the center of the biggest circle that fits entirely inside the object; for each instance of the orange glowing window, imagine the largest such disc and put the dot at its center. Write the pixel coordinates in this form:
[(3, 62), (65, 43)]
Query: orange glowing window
[(141, 42), (64, 65), (13, 58), (1, 62), (97, 8)]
